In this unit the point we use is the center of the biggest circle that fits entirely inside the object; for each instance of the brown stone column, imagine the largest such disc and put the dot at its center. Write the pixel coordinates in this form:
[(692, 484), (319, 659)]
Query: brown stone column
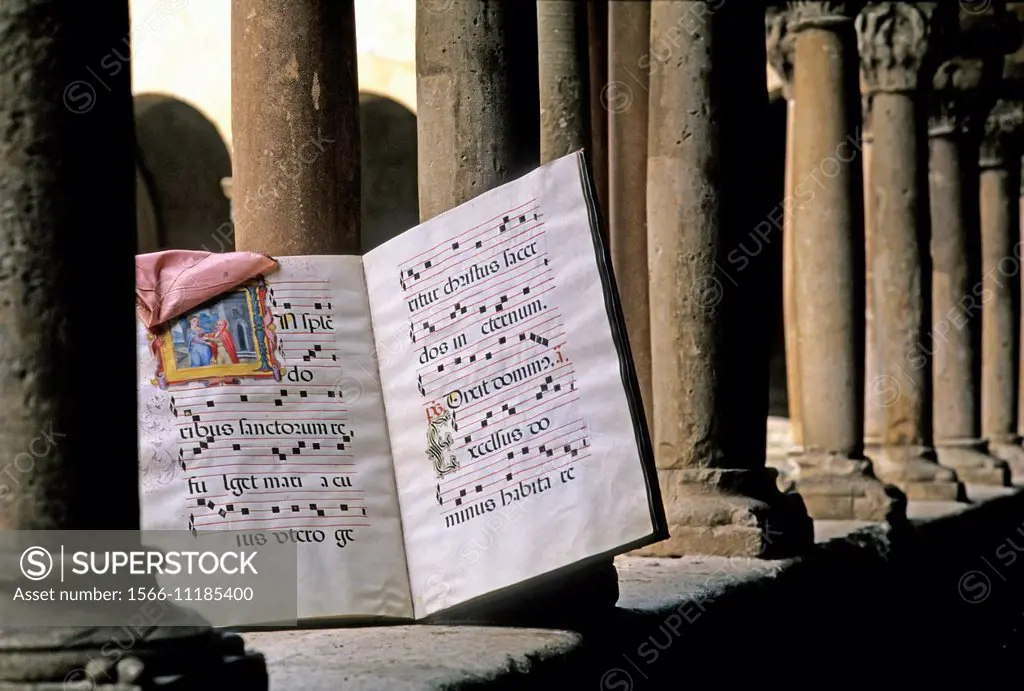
[(999, 164), (709, 336), (67, 163), (562, 53), (625, 98), (902, 269), (961, 89), (295, 115), (873, 397), (780, 57), (599, 41), (835, 478), (482, 56)]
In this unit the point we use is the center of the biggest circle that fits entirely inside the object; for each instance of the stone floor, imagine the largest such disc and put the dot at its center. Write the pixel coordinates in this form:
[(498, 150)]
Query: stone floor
[(866, 591)]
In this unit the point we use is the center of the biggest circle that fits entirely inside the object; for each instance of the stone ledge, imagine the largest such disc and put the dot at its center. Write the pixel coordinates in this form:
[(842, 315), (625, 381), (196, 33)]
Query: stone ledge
[(872, 601)]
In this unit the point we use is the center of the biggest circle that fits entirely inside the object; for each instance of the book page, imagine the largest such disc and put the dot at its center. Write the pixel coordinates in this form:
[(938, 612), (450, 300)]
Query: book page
[(261, 412), (515, 447)]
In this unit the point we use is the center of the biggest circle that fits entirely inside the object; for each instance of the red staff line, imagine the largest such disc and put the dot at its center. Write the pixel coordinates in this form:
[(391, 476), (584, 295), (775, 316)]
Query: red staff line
[(517, 274), (482, 344), (541, 439), (517, 346), (448, 383), (310, 527), (496, 251), (427, 339), (410, 260), (314, 419), (305, 499), (477, 497), (482, 285), (196, 468), (244, 497), (481, 409)]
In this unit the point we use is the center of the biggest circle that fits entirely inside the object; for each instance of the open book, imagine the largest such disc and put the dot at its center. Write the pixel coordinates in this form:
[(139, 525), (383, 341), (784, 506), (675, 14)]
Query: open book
[(445, 418)]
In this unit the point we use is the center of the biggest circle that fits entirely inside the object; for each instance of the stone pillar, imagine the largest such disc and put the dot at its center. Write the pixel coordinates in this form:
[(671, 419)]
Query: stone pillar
[(598, 59), (961, 93), (482, 56), (999, 164), (835, 478), (295, 116), (709, 337), (67, 163), (780, 57), (898, 43), (873, 396), (562, 53), (626, 100)]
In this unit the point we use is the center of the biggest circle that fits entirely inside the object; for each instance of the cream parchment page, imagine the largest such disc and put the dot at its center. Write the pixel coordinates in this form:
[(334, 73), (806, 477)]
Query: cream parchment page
[(515, 452), (280, 432)]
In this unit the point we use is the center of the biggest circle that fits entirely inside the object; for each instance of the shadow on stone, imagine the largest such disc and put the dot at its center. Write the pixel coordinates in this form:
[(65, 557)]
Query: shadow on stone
[(183, 158)]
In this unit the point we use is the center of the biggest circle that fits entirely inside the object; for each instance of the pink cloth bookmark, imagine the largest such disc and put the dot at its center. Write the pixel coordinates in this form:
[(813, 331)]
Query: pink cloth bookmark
[(170, 283)]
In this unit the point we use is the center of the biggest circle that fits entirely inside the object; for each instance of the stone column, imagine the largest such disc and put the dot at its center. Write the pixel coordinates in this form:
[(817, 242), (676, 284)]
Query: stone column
[(835, 478), (598, 59), (67, 164), (873, 397), (898, 44), (483, 56), (999, 164), (626, 100), (709, 337), (780, 57), (960, 97), (295, 115), (562, 53)]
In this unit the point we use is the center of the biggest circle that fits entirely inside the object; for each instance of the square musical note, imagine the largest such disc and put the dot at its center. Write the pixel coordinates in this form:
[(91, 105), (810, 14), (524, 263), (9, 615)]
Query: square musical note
[(458, 361), (275, 509), (468, 438), (510, 455), (209, 404), (458, 501), (479, 488), (317, 305), (284, 392), (302, 444), (277, 402), (243, 398), (303, 394), (287, 305), (508, 477), (295, 508), (245, 512), (316, 446), (479, 244), (501, 341), (427, 264), (526, 290)]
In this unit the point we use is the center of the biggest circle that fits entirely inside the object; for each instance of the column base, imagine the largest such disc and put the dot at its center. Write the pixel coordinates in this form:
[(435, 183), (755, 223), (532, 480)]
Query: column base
[(915, 470), (1011, 452), (72, 659), (836, 487), (730, 513), (972, 462)]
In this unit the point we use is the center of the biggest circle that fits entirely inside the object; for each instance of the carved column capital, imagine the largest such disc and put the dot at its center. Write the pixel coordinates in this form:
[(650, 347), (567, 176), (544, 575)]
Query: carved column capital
[(780, 44), (960, 96), (806, 14), (897, 42), (1002, 134)]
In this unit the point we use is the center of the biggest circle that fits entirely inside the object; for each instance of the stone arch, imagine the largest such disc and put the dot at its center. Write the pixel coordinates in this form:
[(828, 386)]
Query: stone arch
[(182, 157), (390, 201)]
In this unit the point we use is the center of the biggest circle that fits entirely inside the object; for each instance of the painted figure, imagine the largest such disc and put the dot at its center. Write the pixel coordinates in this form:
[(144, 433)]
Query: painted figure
[(200, 353), (224, 345)]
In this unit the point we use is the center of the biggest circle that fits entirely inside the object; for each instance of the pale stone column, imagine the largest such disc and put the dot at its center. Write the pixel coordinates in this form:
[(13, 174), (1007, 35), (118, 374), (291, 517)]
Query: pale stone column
[(709, 336), (961, 95), (562, 54), (295, 117), (872, 395), (599, 41), (999, 164), (625, 97), (482, 56), (835, 478), (898, 44), (780, 57), (67, 166)]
